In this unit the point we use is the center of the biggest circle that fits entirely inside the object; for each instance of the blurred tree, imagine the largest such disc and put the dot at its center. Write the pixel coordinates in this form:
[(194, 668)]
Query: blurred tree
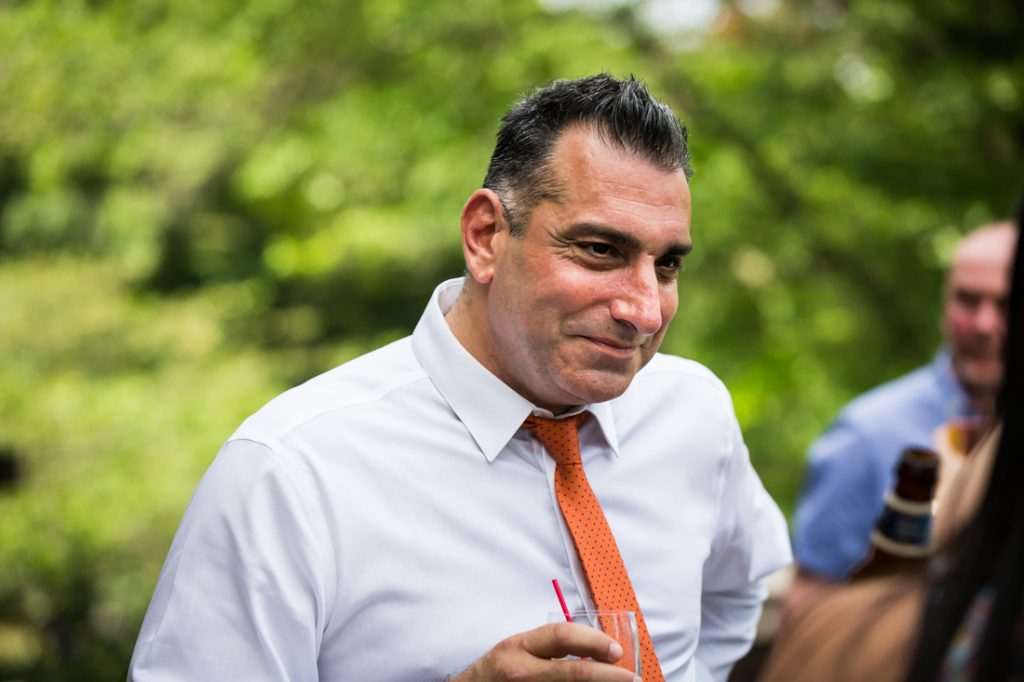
[(203, 203), (841, 149)]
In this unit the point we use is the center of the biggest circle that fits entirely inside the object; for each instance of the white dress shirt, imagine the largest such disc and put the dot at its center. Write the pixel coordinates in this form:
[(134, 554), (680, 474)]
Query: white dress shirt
[(391, 520)]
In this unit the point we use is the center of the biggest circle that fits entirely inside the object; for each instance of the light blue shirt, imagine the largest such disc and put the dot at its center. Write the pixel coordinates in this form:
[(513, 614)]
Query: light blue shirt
[(391, 521), (852, 465)]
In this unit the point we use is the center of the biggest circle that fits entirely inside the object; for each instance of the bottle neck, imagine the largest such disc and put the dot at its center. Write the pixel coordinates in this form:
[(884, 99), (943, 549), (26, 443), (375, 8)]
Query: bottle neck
[(880, 563)]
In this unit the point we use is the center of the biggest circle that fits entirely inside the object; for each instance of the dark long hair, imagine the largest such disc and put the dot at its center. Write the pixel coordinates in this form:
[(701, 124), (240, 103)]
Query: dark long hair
[(990, 550)]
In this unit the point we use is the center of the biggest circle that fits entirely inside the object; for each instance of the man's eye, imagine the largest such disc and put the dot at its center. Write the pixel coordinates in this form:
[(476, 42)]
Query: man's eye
[(671, 265), (968, 299), (599, 248)]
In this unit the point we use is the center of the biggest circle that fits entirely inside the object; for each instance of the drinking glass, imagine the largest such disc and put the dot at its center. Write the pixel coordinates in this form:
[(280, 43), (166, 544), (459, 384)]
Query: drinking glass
[(965, 432), (619, 625)]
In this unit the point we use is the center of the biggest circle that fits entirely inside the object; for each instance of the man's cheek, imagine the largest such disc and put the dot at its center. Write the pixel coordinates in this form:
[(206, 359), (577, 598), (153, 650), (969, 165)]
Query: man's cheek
[(960, 324)]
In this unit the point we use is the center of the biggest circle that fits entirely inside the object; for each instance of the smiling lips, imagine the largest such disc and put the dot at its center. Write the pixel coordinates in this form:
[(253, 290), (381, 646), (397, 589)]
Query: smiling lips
[(614, 347)]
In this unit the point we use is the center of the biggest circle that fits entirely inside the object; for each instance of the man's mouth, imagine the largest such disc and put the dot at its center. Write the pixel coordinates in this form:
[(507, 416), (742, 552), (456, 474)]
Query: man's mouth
[(615, 347)]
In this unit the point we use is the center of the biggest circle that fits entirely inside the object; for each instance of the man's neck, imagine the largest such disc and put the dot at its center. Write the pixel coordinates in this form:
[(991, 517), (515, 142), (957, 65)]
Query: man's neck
[(981, 402)]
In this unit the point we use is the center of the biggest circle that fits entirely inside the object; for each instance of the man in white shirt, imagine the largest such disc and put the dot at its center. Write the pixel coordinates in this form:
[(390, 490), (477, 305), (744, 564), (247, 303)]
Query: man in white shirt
[(393, 520)]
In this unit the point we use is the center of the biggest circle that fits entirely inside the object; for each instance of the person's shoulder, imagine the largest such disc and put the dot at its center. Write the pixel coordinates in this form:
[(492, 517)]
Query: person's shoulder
[(878, 424), (894, 397), (365, 379), (683, 370), (670, 378)]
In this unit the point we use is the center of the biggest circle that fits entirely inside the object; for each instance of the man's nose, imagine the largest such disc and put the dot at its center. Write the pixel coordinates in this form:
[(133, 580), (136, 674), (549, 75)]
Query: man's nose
[(988, 318), (638, 301)]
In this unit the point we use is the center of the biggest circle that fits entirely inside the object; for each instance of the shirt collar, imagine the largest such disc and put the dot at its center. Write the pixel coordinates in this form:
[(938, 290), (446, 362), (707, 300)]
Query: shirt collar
[(490, 409)]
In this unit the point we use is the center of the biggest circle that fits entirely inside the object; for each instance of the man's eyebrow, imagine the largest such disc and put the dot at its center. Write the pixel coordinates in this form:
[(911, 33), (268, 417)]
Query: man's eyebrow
[(625, 241)]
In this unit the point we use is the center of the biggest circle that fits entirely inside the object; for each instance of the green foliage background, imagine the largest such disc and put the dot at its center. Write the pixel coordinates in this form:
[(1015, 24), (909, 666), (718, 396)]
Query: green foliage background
[(204, 203)]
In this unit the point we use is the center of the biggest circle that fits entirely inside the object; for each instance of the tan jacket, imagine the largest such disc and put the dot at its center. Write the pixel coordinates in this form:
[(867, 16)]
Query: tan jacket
[(866, 631)]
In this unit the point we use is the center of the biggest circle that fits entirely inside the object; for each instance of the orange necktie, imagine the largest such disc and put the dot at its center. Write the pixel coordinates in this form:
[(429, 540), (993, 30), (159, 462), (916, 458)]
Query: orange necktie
[(599, 556)]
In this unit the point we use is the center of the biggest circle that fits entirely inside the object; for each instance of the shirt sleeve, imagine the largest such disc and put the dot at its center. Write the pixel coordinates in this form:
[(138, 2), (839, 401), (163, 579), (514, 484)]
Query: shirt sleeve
[(242, 593), (751, 542), (839, 503)]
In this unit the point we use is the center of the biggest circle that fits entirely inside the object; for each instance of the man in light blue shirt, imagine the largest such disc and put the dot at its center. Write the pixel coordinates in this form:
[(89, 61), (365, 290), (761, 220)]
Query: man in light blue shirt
[(852, 464)]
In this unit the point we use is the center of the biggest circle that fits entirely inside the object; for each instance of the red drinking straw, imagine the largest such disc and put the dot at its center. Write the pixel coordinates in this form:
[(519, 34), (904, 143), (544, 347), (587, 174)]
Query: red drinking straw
[(561, 599)]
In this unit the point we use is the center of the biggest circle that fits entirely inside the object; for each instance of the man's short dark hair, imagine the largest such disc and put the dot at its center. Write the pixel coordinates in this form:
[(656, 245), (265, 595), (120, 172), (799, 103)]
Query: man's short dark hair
[(623, 113)]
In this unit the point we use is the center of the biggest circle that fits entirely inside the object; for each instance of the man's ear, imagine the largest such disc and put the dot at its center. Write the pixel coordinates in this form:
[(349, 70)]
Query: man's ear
[(484, 232)]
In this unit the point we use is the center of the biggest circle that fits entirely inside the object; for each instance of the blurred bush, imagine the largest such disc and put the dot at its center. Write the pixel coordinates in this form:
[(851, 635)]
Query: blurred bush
[(202, 204)]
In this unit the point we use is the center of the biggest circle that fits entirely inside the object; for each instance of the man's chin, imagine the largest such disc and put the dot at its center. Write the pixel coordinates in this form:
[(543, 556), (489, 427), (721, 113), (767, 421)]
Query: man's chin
[(980, 378), (600, 387)]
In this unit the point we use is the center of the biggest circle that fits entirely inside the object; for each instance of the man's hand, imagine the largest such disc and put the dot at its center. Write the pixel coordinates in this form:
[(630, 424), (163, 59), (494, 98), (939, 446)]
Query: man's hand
[(528, 657)]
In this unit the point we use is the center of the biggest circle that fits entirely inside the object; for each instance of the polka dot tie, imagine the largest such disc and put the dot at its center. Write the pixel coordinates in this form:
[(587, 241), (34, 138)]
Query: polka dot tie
[(599, 556)]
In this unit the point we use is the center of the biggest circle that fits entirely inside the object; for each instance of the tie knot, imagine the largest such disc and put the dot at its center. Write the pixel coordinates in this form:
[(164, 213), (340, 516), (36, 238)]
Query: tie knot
[(559, 436)]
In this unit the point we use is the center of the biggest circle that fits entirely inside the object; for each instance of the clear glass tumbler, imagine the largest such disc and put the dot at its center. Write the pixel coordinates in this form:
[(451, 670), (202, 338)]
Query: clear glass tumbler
[(619, 625)]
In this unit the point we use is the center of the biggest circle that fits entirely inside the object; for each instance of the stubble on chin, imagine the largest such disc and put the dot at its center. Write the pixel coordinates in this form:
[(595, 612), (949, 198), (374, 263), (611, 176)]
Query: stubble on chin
[(599, 386), (977, 379)]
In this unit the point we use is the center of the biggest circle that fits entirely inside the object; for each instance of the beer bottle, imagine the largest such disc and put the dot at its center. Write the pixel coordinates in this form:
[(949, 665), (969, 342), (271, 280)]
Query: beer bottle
[(901, 539)]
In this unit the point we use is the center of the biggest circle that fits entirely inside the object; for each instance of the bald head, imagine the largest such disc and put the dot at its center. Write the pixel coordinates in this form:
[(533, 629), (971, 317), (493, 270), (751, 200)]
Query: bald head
[(989, 245), (974, 317)]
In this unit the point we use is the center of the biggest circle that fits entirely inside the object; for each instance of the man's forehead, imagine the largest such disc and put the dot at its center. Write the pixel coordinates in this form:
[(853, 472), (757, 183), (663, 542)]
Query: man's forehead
[(990, 246), (981, 278), (984, 258), (587, 146), (991, 265)]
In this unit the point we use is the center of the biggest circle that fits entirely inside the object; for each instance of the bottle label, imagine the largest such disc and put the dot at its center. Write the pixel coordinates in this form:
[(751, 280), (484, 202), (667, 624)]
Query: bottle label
[(904, 528), (899, 549)]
